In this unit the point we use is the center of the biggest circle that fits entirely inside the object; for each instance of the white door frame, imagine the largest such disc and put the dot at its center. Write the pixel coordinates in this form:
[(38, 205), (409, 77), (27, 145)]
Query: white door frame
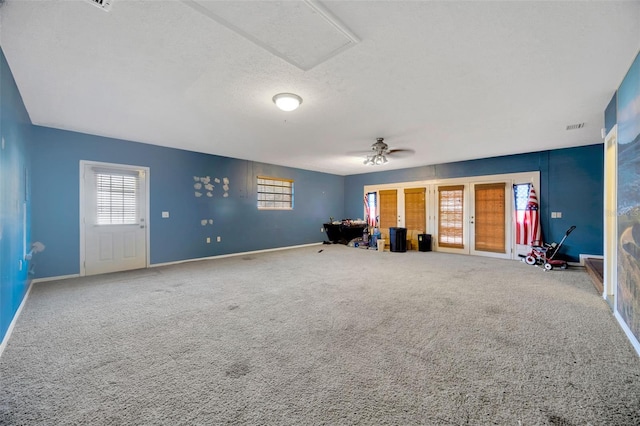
[(83, 164), (611, 216)]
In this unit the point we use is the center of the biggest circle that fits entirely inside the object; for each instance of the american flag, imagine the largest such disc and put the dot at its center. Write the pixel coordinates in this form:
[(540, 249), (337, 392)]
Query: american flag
[(528, 225), (371, 218)]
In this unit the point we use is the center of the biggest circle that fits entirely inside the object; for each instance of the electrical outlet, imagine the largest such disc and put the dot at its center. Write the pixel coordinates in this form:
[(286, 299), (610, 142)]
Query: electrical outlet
[(208, 240), (321, 229), (218, 239)]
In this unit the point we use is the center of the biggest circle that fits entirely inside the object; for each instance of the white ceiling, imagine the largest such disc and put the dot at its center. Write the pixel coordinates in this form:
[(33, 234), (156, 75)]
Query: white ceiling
[(451, 80)]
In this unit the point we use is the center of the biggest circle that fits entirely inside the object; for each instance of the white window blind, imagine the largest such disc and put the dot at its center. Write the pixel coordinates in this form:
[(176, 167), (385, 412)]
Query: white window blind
[(275, 193), (117, 197), (450, 216)]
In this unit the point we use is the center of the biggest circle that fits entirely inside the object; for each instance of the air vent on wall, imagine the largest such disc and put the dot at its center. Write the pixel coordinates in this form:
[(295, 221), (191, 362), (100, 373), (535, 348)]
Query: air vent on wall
[(575, 126), (102, 4)]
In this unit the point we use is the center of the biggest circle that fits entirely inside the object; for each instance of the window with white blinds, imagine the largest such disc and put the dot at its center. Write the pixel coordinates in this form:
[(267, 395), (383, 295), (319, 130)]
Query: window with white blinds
[(275, 193), (117, 198)]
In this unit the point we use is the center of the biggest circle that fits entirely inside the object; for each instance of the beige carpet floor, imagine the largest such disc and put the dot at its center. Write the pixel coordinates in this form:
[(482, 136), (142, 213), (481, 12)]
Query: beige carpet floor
[(322, 335)]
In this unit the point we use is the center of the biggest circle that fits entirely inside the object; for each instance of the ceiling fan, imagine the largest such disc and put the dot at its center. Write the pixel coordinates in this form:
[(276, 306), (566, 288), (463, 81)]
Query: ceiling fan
[(380, 152)]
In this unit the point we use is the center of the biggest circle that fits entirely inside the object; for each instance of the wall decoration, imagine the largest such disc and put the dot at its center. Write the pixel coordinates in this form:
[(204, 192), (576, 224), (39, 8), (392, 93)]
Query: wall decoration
[(225, 181), (203, 186), (628, 286), (204, 182)]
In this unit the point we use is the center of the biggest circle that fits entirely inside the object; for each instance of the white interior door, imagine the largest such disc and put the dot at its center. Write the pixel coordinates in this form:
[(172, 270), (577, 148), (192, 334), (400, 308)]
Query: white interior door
[(113, 217)]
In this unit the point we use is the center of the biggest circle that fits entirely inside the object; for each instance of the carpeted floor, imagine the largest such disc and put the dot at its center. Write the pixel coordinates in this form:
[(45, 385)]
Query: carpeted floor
[(323, 335)]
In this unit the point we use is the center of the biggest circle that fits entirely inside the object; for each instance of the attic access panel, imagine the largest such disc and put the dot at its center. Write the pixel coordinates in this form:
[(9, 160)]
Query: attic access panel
[(303, 33)]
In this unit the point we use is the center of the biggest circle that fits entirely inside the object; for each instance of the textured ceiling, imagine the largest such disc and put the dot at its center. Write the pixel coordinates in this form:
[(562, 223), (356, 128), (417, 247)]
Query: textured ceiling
[(450, 80)]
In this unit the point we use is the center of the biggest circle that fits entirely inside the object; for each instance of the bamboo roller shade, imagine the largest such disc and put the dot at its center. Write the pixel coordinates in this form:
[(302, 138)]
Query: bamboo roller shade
[(450, 217), (388, 208), (414, 206), (490, 217)]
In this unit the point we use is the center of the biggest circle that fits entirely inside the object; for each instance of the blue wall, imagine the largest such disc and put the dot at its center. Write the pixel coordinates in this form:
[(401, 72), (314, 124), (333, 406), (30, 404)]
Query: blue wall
[(236, 219), (15, 130), (571, 182)]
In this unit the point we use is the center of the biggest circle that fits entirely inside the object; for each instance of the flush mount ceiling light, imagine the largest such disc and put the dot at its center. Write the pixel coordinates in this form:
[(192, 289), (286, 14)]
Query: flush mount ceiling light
[(287, 101)]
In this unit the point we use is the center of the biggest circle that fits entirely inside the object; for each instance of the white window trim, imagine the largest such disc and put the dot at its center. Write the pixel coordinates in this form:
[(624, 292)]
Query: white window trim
[(277, 179)]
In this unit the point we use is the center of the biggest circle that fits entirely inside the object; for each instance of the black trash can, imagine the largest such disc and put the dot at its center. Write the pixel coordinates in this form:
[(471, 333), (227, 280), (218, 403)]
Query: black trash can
[(424, 242), (398, 239)]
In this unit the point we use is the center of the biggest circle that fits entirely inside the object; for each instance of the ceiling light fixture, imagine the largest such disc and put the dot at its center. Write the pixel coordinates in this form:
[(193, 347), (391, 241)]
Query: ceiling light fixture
[(287, 101), (379, 156), (376, 160)]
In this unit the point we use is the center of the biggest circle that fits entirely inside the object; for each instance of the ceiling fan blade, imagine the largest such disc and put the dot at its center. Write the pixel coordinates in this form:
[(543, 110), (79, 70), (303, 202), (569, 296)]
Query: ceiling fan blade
[(360, 153), (400, 153)]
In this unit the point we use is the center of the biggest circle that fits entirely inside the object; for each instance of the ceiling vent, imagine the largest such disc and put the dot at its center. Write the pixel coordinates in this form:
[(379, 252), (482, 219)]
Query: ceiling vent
[(575, 126), (102, 4)]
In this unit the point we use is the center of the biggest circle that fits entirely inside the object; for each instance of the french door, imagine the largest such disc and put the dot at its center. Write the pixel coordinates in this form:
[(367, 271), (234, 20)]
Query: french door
[(475, 215), (113, 218), (452, 231), (415, 209), (488, 224)]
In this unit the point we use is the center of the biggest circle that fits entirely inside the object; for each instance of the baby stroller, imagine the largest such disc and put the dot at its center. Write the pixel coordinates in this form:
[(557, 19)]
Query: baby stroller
[(543, 254)]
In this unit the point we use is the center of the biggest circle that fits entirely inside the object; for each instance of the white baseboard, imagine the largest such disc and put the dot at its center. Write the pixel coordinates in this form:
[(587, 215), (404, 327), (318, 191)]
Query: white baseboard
[(586, 256), (5, 340), (59, 277), (627, 331), (221, 256)]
